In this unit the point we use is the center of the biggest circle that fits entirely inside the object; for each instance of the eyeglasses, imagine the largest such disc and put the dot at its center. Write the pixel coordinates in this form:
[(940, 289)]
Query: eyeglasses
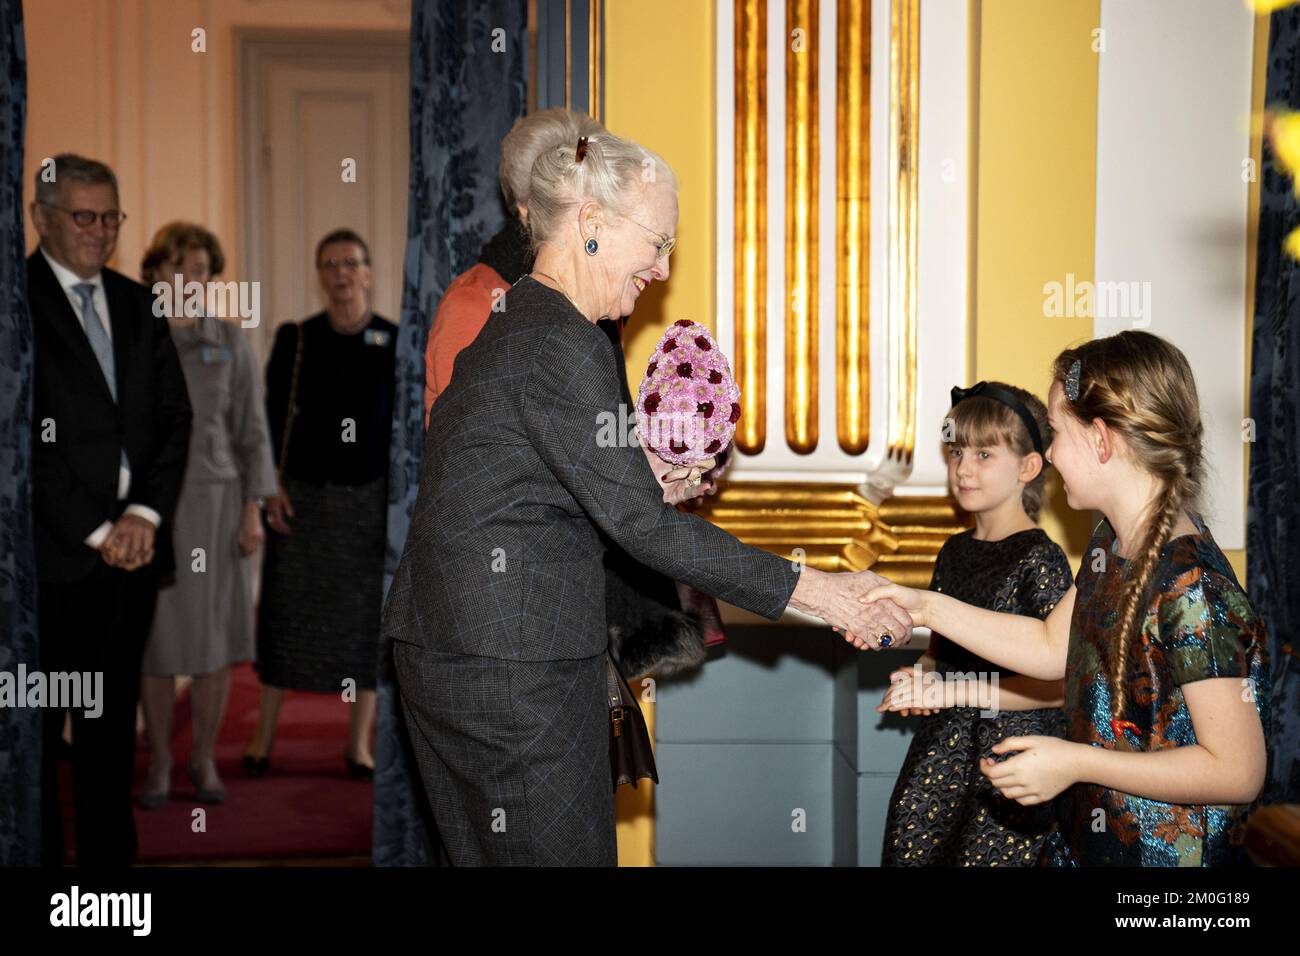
[(666, 244), (351, 262), (86, 217)]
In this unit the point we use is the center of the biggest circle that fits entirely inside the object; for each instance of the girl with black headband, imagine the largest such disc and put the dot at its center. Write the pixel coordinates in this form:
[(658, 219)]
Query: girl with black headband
[(1168, 686), (943, 811)]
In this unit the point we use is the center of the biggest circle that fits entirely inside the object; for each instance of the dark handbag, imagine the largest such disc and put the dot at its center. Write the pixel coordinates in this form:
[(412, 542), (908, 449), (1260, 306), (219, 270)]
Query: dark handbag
[(630, 755), (291, 411)]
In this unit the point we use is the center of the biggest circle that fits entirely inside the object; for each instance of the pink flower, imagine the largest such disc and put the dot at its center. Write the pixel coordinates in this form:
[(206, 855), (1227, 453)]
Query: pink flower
[(677, 399)]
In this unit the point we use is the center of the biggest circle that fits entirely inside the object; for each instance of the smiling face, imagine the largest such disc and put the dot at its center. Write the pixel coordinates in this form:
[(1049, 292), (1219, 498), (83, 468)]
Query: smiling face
[(1073, 452), (982, 479), (628, 258), (83, 249)]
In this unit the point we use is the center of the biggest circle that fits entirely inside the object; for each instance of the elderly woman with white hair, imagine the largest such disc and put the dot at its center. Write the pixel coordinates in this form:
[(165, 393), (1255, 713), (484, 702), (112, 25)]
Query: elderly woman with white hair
[(507, 256), (655, 624), (497, 609)]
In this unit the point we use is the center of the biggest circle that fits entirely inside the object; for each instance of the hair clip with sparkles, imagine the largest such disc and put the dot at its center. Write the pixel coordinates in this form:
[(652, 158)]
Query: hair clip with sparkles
[(1072, 380)]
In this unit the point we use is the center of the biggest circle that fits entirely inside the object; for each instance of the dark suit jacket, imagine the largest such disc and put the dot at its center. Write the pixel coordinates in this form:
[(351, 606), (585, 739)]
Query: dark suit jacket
[(74, 478), (503, 558)]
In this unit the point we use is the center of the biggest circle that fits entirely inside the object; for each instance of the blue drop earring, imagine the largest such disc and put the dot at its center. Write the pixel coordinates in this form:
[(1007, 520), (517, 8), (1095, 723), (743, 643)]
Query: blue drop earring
[(591, 246)]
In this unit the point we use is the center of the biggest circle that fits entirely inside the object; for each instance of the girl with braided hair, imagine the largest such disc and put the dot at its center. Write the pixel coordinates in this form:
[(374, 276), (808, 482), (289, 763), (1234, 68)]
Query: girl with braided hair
[(1166, 680)]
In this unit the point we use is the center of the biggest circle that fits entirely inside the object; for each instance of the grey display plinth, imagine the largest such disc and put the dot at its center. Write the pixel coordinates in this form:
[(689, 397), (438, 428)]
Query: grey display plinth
[(773, 754)]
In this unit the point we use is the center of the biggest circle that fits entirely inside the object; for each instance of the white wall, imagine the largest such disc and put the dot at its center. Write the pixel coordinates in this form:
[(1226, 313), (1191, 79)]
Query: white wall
[(1172, 134)]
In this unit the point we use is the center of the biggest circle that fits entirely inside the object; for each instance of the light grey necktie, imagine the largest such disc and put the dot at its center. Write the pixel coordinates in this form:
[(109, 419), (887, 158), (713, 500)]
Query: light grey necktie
[(101, 346), (97, 334)]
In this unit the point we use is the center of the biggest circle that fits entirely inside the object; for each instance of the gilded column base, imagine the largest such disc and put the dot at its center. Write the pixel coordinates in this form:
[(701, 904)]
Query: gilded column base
[(834, 527)]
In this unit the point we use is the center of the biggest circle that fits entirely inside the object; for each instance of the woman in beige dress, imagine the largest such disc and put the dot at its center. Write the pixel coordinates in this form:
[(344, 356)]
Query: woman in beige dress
[(204, 621)]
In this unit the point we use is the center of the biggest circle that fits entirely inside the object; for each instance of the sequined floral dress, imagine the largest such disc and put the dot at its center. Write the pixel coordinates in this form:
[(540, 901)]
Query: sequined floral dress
[(943, 811), (1199, 624)]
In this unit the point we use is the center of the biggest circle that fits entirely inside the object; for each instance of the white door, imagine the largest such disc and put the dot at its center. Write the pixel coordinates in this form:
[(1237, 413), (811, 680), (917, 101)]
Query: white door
[(327, 123)]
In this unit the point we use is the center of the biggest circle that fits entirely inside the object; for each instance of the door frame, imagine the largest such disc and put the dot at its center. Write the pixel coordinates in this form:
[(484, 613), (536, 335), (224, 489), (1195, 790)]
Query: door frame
[(256, 51)]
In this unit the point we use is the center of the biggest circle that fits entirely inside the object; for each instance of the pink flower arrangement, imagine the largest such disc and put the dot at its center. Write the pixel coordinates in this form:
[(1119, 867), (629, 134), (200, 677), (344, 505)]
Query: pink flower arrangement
[(688, 403)]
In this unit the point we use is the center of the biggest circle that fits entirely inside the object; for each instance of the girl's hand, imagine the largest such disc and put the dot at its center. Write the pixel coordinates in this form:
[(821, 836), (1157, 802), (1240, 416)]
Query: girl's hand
[(1043, 767), (251, 534), (906, 693), (911, 600)]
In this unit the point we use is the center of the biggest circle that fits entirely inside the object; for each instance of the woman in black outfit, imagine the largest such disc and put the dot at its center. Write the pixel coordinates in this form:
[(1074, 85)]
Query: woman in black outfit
[(329, 391)]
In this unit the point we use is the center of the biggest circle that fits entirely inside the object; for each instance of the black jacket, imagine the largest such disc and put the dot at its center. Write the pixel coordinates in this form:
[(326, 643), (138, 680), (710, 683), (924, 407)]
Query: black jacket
[(74, 476)]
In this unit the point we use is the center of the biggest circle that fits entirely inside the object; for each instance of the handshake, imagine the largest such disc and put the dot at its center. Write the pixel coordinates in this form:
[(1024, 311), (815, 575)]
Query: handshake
[(838, 599)]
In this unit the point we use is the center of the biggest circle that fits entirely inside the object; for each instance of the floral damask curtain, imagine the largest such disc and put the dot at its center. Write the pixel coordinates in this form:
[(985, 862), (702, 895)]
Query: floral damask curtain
[(468, 85), (20, 727), (1273, 515)]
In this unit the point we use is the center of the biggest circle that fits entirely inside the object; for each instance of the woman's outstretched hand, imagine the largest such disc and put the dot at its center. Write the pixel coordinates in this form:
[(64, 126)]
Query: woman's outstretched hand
[(866, 631), (836, 599)]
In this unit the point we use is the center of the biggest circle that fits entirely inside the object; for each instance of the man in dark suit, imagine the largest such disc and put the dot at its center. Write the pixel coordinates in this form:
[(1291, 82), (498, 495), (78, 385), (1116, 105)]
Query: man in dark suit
[(111, 429)]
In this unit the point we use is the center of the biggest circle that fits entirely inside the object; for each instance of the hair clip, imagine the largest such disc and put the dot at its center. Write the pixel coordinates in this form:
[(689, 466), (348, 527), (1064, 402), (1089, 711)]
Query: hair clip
[(583, 149), (1072, 380), (1117, 727)]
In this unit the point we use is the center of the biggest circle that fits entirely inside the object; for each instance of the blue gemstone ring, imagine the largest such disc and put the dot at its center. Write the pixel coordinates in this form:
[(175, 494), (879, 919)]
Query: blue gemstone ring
[(885, 640)]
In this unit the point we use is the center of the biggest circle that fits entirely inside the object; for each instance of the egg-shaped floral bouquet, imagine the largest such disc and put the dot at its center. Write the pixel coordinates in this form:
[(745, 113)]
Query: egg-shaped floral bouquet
[(688, 403)]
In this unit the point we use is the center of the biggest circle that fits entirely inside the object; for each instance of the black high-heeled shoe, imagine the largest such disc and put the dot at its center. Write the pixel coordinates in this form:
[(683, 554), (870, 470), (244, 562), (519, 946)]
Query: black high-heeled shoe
[(255, 766), (359, 770)]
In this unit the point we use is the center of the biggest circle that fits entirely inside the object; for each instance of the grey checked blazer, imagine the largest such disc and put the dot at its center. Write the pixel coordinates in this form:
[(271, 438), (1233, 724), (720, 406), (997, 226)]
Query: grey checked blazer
[(503, 559)]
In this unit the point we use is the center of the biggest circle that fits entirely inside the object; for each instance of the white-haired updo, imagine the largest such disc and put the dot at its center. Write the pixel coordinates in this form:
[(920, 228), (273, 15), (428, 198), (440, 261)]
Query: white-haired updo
[(532, 135), (613, 172)]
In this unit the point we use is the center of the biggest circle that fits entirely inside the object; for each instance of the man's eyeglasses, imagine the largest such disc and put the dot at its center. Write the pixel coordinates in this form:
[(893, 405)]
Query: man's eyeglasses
[(665, 245), (86, 217), (351, 262)]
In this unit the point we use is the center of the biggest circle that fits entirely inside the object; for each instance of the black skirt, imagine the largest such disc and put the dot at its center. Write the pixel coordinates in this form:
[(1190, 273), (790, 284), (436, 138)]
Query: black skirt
[(322, 589), (945, 812)]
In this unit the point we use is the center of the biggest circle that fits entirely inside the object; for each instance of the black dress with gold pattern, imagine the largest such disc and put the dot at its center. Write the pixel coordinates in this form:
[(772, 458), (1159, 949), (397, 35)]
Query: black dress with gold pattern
[(943, 811)]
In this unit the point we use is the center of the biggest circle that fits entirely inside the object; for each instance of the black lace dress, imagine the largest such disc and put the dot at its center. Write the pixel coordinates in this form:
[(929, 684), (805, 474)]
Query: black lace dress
[(944, 811)]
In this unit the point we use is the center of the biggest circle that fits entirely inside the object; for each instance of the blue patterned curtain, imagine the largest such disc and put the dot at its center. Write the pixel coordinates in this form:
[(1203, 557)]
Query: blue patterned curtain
[(468, 85), (1273, 515), (20, 727)]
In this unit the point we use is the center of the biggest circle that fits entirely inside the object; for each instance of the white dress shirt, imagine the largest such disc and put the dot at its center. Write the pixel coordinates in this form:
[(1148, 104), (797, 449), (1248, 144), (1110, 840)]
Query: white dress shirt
[(67, 279)]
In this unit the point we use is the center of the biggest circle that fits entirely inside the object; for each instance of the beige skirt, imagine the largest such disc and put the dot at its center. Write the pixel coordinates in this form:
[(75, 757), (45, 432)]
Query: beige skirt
[(204, 619)]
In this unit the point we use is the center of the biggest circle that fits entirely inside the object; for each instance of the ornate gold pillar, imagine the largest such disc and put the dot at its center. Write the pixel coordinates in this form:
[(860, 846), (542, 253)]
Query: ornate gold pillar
[(828, 504)]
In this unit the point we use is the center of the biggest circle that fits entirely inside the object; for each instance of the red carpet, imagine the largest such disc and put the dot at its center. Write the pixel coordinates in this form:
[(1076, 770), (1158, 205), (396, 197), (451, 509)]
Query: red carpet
[(305, 806)]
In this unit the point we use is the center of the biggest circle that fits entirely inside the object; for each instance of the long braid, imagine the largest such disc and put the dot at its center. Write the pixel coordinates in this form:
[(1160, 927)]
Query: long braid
[(1132, 609), (1142, 387)]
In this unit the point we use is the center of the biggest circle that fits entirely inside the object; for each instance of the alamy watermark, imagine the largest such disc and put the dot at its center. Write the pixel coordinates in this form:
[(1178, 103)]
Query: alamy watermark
[(222, 300), (62, 690), (1084, 299), (937, 691), (75, 908), (666, 428)]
